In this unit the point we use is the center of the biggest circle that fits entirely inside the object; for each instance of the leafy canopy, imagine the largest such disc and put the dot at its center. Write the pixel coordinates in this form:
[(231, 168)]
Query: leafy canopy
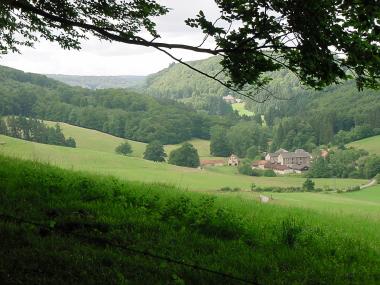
[(323, 42), (155, 151), (186, 155), (124, 148)]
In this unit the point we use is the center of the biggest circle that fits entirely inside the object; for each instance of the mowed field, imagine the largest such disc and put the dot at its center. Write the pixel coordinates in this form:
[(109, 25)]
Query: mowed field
[(137, 169), (371, 144)]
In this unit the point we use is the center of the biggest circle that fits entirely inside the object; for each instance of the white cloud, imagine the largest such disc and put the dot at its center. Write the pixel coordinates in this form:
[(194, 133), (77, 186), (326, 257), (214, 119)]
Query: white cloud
[(104, 58)]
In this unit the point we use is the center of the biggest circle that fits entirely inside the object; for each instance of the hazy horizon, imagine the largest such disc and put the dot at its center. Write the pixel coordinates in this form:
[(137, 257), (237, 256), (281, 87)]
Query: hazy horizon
[(100, 58)]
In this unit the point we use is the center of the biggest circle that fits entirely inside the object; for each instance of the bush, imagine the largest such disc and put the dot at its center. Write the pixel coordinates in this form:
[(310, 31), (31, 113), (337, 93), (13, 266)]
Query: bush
[(245, 169), (124, 148), (353, 189), (308, 185), (278, 189), (186, 155), (229, 189), (70, 142), (269, 173)]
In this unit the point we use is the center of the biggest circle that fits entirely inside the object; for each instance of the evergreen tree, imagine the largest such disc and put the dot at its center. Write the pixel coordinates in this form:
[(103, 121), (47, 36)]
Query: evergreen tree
[(155, 151)]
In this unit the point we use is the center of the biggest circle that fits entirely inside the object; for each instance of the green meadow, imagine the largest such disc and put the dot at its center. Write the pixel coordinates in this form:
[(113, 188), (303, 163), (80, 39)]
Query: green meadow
[(84, 218), (95, 140), (240, 107), (92, 229), (137, 169), (371, 144)]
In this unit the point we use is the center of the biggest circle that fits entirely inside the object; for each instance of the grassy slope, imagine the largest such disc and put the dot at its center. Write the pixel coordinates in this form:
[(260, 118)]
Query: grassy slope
[(132, 168), (98, 141), (372, 144), (95, 140), (266, 244)]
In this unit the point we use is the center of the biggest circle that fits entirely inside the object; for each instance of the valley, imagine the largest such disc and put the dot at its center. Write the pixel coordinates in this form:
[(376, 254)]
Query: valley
[(102, 160)]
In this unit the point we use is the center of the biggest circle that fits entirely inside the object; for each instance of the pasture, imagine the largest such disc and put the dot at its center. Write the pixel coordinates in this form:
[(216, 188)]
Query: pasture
[(82, 227), (137, 169), (98, 141), (371, 144)]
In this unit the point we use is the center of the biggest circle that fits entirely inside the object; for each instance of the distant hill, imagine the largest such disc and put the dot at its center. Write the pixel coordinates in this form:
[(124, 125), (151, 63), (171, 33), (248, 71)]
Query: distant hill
[(100, 82), (179, 82), (120, 112)]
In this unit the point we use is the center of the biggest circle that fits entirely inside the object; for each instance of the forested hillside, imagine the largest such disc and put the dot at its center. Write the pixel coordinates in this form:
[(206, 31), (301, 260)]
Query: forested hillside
[(116, 111), (100, 82), (302, 118)]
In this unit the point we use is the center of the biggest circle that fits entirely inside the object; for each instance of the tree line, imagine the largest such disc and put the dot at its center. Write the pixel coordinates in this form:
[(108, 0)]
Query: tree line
[(345, 163), (34, 130), (118, 112)]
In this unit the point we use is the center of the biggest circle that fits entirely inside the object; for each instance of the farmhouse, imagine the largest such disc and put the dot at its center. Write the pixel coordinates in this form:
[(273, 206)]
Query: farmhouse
[(273, 157), (259, 164), (233, 160), (280, 169), (299, 157), (285, 162), (229, 99), (213, 162)]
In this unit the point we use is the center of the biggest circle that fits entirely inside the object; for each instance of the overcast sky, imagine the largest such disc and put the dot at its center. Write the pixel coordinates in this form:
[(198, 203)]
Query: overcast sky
[(103, 58)]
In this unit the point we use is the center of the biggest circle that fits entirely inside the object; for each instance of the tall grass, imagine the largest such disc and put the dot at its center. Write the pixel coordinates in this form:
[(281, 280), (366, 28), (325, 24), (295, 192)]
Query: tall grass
[(265, 244)]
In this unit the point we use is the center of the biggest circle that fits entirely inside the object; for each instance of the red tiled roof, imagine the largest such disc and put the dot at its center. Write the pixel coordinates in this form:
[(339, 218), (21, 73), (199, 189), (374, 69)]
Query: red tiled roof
[(204, 162), (259, 162)]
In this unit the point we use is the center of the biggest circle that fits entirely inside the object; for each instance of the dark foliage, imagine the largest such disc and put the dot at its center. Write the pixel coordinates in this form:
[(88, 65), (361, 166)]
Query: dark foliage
[(124, 148), (186, 155), (34, 130), (115, 111), (155, 151)]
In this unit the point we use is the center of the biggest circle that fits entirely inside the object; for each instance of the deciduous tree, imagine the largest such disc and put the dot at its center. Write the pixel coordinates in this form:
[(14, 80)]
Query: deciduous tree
[(323, 42)]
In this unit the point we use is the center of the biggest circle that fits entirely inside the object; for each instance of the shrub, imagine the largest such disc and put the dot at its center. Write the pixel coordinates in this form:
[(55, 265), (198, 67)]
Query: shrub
[(353, 189), (225, 189), (245, 169), (308, 185), (229, 189), (269, 173), (70, 142), (124, 148)]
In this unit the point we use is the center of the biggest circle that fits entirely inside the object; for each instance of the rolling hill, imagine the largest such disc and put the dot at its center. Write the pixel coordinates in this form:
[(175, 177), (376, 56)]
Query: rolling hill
[(137, 169), (371, 144), (100, 82), (98, 141)]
